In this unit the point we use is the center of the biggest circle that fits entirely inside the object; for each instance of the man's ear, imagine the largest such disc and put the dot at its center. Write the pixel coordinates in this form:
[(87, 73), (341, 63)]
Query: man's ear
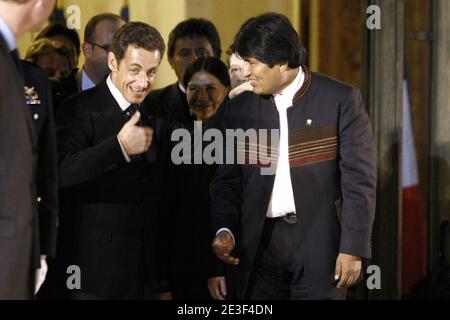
[(87, 49), (113, 64), (283, 67), (171, 62)]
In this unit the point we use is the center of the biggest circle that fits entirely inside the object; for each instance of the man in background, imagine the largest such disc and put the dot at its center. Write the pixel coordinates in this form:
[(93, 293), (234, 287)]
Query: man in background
[(98, 34), (19, 231), (39, 103), (189, 40)]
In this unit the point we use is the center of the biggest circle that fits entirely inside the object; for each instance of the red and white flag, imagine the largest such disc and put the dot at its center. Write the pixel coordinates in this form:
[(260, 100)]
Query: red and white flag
[(414, 245)]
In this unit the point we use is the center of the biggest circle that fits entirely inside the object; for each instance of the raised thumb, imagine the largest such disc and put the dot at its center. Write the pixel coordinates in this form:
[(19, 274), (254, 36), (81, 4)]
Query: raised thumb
[(135, 118)]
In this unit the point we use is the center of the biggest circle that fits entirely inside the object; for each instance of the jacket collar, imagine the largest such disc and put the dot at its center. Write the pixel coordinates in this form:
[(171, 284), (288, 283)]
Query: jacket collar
[(303, 89)]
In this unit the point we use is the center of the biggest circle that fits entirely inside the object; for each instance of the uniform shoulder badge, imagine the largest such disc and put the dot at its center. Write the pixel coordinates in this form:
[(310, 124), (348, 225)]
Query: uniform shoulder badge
[(31, 96)]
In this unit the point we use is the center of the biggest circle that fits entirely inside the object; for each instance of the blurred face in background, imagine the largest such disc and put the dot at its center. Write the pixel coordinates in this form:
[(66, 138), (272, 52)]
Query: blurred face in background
[(68, 43), (205, 93), (54, 63), (38, 15), (235, 71), (96, 50), (187, 50), (135, 74)]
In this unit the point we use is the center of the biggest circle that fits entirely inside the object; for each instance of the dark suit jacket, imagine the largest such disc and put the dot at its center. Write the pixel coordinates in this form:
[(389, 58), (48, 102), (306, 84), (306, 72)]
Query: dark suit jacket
[(191, 234), (333, 172), (173, 103), (18, 208), (64, 87), (41, 111), (109, 207)]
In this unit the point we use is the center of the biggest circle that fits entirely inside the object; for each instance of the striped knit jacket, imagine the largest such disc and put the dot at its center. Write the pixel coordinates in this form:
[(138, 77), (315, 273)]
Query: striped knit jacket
[(333, 173)]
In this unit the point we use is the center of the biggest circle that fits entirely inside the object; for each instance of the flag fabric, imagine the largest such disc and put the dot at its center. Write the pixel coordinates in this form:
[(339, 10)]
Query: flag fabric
[(125, 11), (414, 225), (58, 13)]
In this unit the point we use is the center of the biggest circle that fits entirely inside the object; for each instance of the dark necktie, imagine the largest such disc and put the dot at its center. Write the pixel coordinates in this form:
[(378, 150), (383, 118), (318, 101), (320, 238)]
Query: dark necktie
[(131, 110)]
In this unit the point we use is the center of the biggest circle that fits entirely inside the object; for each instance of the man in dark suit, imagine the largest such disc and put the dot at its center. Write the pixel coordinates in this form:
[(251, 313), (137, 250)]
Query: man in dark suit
[(189, 40), (18, 214), (302, 231), (109, 174), (39, 104), (98, 34)]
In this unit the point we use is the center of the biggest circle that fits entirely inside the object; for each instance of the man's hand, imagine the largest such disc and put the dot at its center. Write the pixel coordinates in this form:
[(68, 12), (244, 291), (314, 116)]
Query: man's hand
[(135, 139), (217, 288), (41, 273), (348, 269), (222, 246), (245, 86)]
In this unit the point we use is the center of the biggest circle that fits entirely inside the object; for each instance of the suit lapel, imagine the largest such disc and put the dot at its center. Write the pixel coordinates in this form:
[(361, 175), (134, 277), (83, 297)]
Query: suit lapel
[(106, 113)]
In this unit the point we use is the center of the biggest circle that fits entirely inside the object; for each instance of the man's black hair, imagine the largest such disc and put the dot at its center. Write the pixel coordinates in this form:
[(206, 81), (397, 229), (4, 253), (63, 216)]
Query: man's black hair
[(271, 39), (195, 27)]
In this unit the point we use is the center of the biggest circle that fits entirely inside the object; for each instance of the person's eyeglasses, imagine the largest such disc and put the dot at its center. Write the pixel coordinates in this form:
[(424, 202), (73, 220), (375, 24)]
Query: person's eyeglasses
[(104, 46)]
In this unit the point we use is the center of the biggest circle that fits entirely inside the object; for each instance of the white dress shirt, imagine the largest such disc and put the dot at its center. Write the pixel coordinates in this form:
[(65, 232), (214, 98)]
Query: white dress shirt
[(182, 88), (282, 199), (8, 35), (123, 104)]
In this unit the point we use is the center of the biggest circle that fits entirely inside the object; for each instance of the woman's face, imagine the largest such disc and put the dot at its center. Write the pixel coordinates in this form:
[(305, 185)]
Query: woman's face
[(235, 71), (54, 63), (205, 93)]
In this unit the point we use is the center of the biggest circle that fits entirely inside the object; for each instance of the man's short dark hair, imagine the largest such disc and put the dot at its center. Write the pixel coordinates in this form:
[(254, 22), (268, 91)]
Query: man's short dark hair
[(212, 65), (195, 27), (138, 34), (59, 29), (95, 20), (271, 39)]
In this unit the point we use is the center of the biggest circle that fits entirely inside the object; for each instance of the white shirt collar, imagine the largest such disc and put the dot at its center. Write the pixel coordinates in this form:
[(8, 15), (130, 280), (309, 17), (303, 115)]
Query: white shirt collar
[(86, 82), (8, 35), (288, 93), (182, 88), (118, 96)]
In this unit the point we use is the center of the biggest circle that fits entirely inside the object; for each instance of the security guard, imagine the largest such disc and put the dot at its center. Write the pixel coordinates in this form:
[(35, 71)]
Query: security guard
[(39, 102)]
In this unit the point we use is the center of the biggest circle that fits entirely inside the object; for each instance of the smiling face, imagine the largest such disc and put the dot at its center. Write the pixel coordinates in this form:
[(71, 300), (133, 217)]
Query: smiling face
[(265, 80), (135, 74), (205, 93)]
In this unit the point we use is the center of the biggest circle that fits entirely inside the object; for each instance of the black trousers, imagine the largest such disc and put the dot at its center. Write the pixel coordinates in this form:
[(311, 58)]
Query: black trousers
[(279, 271)]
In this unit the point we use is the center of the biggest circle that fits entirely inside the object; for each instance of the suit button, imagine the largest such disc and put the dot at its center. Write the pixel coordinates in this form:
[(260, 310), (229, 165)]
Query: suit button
[(35, 116), (39, 199)]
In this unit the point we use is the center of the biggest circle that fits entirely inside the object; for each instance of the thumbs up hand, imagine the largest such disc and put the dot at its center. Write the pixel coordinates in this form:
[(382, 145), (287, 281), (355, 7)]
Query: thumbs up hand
[(135, 139)]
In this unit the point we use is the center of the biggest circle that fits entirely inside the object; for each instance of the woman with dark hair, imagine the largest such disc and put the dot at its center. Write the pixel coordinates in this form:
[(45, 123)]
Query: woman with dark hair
[(207, 84), (194, 268)]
